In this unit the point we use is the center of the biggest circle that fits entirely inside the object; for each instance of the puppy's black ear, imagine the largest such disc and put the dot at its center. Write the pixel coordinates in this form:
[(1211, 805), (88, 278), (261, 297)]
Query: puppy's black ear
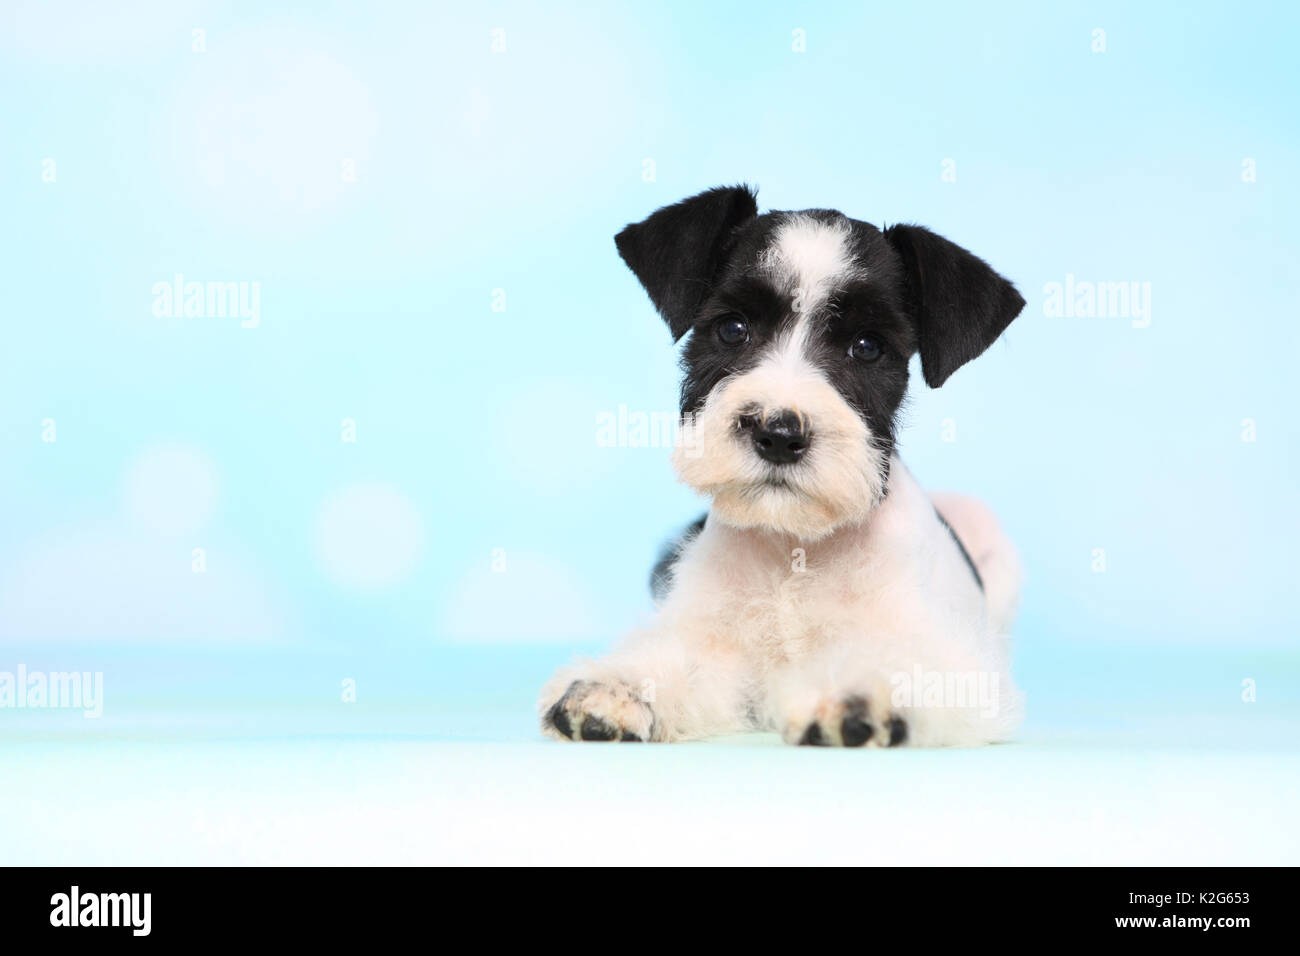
[(679, 250), (959, 304)]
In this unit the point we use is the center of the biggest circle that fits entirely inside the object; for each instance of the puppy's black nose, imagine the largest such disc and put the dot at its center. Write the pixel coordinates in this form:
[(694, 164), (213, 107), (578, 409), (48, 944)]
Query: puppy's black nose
[(779, 438)]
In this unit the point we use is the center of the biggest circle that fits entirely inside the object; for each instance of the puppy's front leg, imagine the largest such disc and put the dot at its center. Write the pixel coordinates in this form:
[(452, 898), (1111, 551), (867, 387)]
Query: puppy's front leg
[(818, 705), (891, 691), (656, 687)]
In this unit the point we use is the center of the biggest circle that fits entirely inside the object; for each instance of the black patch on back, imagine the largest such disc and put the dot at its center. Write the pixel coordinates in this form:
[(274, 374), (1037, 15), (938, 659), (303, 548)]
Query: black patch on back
[(962, 548), (661, 575)]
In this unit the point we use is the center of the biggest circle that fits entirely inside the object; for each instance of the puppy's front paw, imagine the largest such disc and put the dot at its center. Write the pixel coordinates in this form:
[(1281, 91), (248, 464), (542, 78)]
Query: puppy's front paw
[(590, 710), (850, 721)]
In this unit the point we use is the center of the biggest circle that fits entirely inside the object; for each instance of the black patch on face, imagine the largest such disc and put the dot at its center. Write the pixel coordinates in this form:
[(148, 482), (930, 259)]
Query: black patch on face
[(689, 253), (870, 307), (741, 291), (873, 306), (699, 260)]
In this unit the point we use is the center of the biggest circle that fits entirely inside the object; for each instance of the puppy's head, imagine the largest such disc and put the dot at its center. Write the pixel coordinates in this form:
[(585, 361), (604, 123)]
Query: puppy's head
[(801, 325)]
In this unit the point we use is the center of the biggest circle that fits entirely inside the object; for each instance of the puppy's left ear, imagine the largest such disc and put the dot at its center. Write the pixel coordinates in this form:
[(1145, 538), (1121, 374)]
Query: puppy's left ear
[(679, 250), (958, 303)]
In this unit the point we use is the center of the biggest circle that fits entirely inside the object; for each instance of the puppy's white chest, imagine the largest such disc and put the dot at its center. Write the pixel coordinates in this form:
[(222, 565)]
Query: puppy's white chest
[(781, 598)]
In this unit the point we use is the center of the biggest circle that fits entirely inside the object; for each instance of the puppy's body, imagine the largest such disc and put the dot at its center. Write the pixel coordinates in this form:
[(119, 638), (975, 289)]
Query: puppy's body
[(824, 597), (744, 642)]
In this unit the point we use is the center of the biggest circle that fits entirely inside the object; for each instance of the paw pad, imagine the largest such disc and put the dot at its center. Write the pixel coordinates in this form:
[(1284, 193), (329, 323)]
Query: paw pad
[(856, 727), (849, 723), (599, 712)]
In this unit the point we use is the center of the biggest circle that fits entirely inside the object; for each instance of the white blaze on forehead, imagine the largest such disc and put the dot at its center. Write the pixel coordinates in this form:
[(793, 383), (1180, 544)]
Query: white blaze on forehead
[(810, 257)]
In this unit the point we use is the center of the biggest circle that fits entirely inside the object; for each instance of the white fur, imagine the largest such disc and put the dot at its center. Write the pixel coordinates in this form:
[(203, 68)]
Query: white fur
[(745, 640), (839, 481), (810, 257)]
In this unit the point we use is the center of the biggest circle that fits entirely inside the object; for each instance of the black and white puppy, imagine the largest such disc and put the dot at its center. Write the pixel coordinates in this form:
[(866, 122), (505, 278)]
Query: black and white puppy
[(825, 596)]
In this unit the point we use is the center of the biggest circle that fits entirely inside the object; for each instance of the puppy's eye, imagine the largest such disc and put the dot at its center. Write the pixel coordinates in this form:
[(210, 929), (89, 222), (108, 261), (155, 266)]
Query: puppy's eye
[(865, 349), (732, 330)]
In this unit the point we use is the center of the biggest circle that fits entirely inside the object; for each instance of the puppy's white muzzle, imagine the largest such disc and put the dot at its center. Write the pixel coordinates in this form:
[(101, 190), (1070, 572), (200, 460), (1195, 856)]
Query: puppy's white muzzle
[(819, 469)]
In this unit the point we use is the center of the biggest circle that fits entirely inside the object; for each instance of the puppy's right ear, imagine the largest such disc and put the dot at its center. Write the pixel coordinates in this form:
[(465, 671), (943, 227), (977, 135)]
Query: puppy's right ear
[(679, 250)]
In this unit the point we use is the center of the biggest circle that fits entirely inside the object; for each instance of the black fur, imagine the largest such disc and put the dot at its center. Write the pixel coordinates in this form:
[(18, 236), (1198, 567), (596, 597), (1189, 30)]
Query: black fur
[(661, 575), (856, 728), (959, 304), (812, 737), (697, 261), (677, 252), (897, 731), (962, 548), (558, 719), (593, 728)]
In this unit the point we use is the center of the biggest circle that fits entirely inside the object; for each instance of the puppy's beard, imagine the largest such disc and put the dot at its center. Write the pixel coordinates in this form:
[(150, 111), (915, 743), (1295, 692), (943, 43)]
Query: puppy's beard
[(838, 481)]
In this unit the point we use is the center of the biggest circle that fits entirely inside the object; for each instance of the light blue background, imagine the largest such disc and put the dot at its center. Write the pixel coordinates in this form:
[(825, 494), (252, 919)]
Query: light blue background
[(478, 171)]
